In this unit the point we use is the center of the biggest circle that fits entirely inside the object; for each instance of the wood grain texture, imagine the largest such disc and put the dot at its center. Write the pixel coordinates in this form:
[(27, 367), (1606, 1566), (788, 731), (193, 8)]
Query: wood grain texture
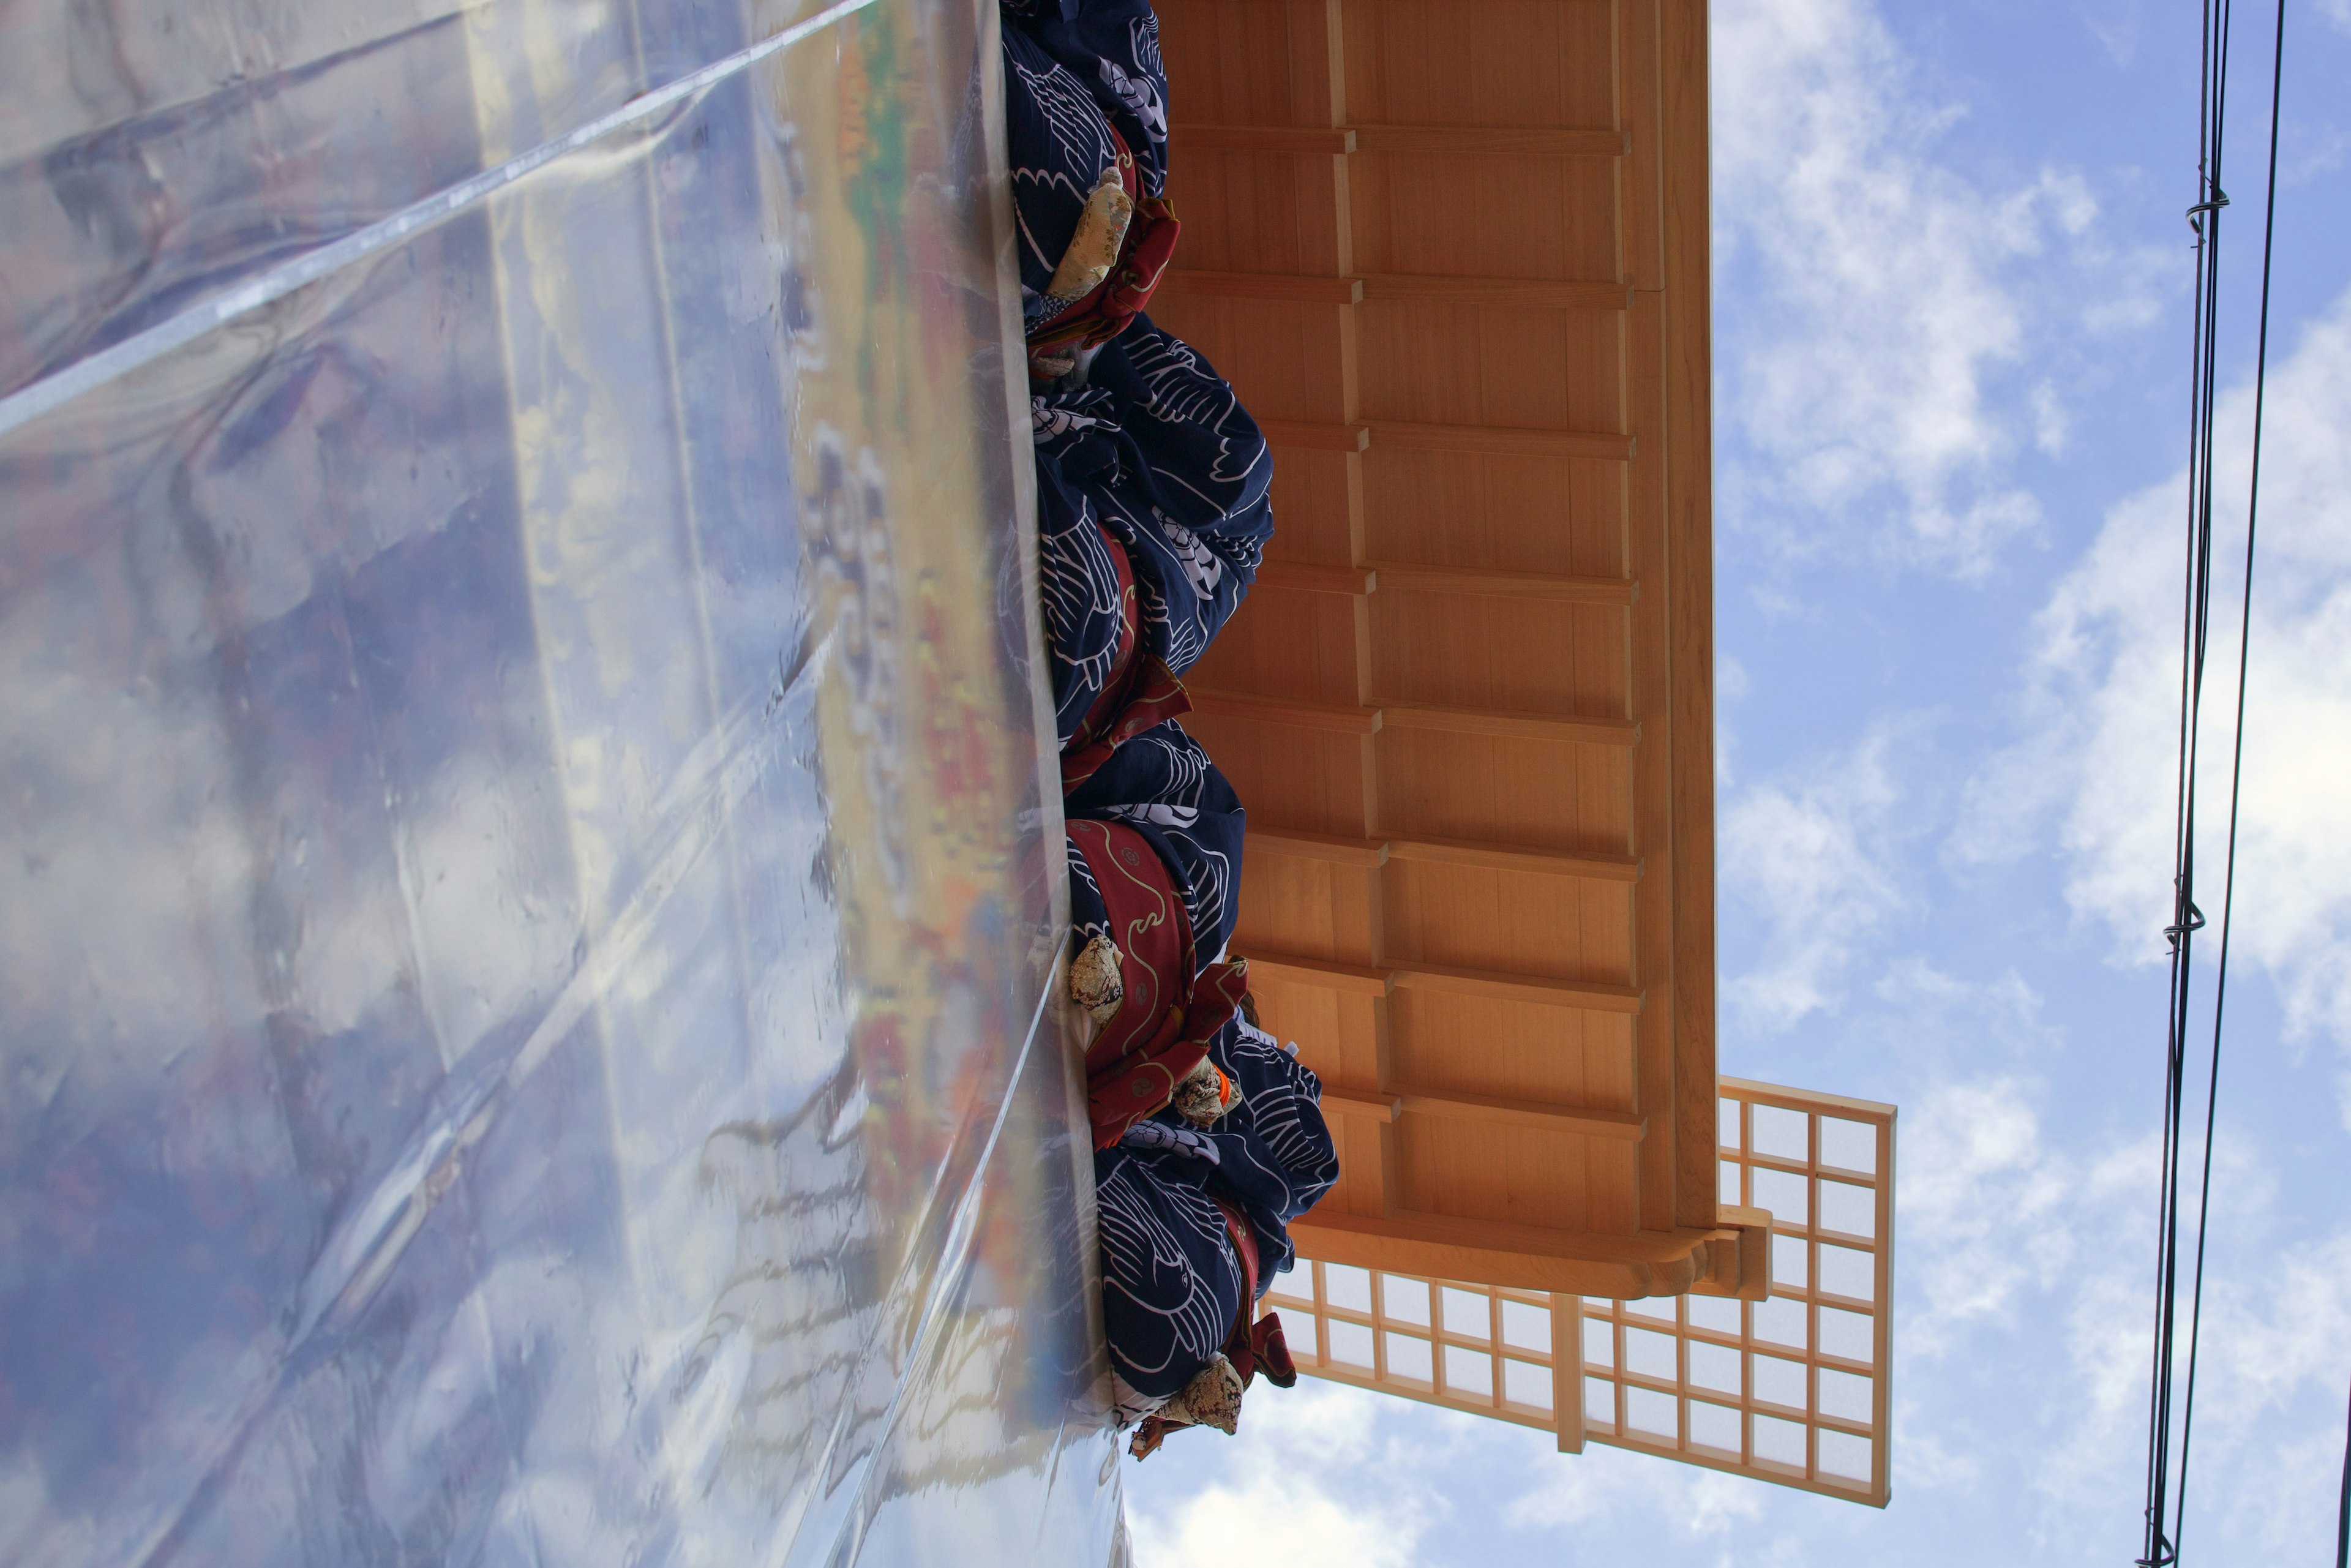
[(1459, 274)]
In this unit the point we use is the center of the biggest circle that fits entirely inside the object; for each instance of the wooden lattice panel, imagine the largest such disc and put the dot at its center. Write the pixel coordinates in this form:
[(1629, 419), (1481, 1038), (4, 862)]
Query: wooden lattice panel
[(1793, 1390), (1468, 1348)]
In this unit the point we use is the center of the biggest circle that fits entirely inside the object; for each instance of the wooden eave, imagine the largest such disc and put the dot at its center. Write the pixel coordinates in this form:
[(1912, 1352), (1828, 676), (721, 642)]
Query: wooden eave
[(1454, 257)]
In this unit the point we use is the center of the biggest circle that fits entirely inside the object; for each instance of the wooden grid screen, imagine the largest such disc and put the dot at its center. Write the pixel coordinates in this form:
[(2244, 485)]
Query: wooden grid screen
[(1466, 1347), (1793, 1390)]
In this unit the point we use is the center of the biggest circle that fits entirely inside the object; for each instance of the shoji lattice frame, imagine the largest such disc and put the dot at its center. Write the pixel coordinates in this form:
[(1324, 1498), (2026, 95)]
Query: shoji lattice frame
[(1794, 1390)]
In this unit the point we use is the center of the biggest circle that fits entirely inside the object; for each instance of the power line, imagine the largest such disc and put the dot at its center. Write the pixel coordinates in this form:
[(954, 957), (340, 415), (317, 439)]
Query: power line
[(2166, 1506), (2236, 774), (2343, 1509)]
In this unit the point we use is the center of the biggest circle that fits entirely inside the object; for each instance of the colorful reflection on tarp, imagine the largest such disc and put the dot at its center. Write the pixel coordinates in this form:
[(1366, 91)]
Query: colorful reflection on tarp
[(525, 889)]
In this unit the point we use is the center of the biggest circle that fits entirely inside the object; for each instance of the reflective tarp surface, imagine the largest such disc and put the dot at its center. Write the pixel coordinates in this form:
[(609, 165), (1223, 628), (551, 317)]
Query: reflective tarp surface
[(525, 893)]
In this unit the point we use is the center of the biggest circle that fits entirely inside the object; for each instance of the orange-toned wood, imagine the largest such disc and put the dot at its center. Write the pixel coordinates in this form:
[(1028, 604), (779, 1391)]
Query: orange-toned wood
[(1454, 260), (1795, 1390)]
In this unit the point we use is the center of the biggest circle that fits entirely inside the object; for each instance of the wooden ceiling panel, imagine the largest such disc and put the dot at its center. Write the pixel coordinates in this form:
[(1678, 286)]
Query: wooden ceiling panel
[(1475, 650), (1480, 62), (1469, 705), (1303, 648), (1524, 515), (1568, 1057), (1529, 794), (1436, 363), (1485, 215), (1559, 927), (1295, 775), (1254, 210), (1470, 1167), (1323, 909)]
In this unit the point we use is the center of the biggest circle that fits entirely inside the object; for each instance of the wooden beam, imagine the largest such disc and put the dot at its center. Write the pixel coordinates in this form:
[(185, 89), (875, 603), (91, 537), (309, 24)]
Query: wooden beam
[(1610, 732), (1262, 138), (1845, 1105), (1273, 710), (1502, 441), (1312, 438), (1525, 141), (1329, 847), (1557, 587), (1293, 287), (1496, 857), (1496, 1253), (1567, 1371), (1352, 978), (1508, 293), (1380, 1107), (1591, 995), (1620, 1126), (1316, 579)]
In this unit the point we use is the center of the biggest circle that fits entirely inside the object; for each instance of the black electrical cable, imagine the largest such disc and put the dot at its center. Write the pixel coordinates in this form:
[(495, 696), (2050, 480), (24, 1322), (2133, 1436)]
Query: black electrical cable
[(2236, 779), (2204, 220), (2162, 1546), (2343, 1509)]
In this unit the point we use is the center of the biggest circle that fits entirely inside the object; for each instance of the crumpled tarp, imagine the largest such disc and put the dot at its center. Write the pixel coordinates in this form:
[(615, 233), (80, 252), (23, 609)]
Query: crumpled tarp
[(528, 874)]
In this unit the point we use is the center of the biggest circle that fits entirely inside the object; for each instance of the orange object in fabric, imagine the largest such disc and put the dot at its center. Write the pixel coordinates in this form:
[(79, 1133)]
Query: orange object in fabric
[(1141, 692), (1143, 260), (1169, 1013)]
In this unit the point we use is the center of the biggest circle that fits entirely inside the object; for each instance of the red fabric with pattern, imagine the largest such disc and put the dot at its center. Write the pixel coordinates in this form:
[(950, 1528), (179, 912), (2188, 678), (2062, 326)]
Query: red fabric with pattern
[(1256, 1345), (1141, 692), (1168, 1014)]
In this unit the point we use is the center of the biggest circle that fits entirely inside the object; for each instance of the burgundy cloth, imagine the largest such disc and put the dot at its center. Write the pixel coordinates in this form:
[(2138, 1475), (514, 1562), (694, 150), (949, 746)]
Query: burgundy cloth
[(1258, 1345), (1169, 1012), (1143, 258), (1141, 692)]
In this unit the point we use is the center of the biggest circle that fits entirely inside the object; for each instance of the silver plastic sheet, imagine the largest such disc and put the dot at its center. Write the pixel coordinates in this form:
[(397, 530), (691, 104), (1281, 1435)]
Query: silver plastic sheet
[(526, 895)]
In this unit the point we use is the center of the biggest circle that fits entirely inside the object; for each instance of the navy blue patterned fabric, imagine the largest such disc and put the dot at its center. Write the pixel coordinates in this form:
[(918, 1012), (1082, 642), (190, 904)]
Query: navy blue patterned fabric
[(1276, 1156), (1171, 1284), (1113, 47), (1162, 784), (1157, 451), (1059, 143)]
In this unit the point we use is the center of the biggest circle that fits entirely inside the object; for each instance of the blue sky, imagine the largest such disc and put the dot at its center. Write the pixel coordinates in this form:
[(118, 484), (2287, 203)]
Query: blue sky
[(1952, 287)]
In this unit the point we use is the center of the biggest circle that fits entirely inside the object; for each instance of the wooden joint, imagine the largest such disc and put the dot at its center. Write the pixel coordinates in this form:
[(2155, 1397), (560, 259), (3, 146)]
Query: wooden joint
[(1611, 732), (1262, 138), (1498, 293), (1558, 587), (1503, 442), (1621, 1126), (1328, 847), (1379, 1107), (1274, 710), (1355, 979), (1299, 578), (1592, 996), (1293, 287), (1306, 436), (1506, 141), (1495, 857)]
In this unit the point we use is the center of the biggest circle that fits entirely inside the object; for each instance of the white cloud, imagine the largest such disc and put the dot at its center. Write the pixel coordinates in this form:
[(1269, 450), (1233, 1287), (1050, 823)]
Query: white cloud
[(1289, 1491), (1983, 1205), (1604, 1483), (1872, 386), (2098, 757), (1809, 858)]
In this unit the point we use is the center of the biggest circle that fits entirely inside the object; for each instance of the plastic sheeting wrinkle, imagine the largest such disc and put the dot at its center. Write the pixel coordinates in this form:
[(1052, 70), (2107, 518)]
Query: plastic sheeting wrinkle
[(56, 390), (358, 1256), (838, 1546)]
